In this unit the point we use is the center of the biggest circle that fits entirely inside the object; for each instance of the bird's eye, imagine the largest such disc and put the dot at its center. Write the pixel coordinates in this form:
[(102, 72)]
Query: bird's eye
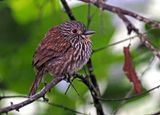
[(74, 31)]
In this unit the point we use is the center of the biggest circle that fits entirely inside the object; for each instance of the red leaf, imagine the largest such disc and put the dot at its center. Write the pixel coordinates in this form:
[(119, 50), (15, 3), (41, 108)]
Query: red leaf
[(130, 72)]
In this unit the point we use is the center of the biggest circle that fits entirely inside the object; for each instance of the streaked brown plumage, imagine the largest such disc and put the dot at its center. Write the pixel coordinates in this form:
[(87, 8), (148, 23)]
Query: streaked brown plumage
[(64, 50)]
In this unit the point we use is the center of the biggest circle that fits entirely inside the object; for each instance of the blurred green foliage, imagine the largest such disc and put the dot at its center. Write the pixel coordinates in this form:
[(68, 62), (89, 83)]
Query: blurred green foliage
[(23, 24), (153, 35)]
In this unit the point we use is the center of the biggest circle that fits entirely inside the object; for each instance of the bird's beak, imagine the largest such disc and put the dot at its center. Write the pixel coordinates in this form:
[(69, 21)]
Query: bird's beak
[(88, 32)]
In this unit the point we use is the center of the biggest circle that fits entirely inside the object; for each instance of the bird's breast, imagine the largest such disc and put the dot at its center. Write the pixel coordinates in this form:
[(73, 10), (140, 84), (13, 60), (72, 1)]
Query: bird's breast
[(82, 54)]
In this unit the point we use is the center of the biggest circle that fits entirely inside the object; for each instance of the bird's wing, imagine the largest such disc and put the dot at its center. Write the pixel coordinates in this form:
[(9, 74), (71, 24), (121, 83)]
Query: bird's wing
[(52, 46)]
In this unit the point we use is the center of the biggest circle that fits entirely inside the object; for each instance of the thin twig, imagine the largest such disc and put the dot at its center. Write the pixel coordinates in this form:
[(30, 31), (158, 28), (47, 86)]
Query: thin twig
[(121, 41), (12, 96), (32, 98), (113, 44), (73, 88), (132, 97), (70, 84), (65, 108), (148, 67), (123, 102)]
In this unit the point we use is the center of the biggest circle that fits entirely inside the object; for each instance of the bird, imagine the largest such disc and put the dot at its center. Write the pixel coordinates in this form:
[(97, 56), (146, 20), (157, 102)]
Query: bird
[(64, 50)]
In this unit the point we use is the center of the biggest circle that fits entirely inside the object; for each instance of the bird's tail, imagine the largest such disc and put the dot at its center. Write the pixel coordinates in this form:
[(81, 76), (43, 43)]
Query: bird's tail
[(36, 83)]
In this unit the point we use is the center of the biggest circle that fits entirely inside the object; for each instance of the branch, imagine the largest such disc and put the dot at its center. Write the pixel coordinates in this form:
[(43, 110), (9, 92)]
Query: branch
[(91, 82), (68, 10), (32, 98), (157, 113), (91, 88), (116, 10), (49, 103), (96, 92), (143, 38)]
